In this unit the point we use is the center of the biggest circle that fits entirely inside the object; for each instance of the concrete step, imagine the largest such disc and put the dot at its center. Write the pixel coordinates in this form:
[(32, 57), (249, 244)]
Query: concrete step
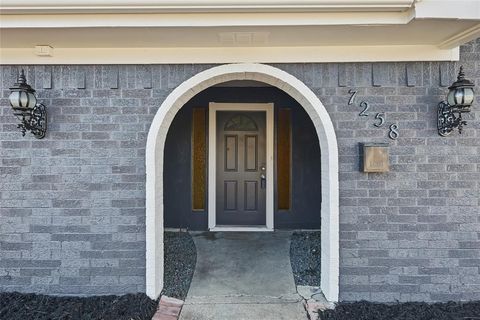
[(243, 299), (268, 311)]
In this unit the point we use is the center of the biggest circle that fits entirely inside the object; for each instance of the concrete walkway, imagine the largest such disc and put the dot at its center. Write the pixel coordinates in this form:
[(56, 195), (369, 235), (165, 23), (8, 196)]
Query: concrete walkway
[(243, 275)]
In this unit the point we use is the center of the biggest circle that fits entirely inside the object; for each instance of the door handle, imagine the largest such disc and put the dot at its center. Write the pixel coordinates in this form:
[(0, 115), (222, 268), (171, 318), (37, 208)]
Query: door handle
[(263, 181)]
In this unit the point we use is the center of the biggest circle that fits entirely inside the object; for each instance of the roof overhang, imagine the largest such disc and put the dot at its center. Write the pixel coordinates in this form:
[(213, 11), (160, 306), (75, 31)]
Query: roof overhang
[(189, 6), (222, 31)]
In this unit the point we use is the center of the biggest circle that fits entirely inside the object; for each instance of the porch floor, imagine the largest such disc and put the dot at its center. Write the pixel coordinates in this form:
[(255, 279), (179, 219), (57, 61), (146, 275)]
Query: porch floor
[(243, 275)]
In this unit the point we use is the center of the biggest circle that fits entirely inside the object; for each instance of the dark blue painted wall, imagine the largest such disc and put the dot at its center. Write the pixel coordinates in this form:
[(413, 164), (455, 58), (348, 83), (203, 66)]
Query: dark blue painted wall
[(306, 193)]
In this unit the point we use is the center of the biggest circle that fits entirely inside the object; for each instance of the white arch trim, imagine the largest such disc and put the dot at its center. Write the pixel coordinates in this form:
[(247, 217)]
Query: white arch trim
[(329, 164)]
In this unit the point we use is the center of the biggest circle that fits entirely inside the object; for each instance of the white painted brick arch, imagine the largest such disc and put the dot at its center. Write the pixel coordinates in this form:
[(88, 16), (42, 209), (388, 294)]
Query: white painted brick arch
[(329, 164)]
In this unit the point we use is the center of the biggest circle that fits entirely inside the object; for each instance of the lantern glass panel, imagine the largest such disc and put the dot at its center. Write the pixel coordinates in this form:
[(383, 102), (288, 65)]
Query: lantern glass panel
[(468, 96), (24, 99), (459, 94), (14, 99), (451, 97), (32, 100)]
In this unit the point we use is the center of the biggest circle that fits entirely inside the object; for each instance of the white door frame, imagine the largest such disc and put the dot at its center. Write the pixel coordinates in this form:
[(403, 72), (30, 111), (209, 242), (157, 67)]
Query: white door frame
[(212, 165)]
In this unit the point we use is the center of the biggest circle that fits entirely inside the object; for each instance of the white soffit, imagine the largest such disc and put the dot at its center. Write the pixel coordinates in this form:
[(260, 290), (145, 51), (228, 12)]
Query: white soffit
[(226, 31)]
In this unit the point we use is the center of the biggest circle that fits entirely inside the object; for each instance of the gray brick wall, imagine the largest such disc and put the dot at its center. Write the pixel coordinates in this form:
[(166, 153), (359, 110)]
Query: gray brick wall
[(72, 206)]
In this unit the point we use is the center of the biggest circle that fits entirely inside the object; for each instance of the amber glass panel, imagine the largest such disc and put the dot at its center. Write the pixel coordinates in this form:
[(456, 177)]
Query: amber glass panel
[(199, 150), (284, 144)]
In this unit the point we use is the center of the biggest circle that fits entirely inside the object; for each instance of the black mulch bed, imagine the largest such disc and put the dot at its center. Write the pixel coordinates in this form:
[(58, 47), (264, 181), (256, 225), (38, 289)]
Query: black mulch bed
[(20, 306), (180, 260), (305, 257), (363, 310)]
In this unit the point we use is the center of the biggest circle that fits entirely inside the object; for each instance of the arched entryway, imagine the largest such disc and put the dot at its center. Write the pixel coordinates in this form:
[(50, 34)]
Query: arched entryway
[(329, 163)]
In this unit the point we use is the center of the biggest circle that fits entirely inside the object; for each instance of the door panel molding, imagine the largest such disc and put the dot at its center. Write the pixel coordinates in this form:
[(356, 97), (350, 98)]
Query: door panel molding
[(249, 149), (230, 193), (250, 193), (233, 154), (212, 153)]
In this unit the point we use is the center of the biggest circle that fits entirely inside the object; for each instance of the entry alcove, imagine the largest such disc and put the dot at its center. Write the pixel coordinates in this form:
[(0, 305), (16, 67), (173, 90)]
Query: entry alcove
[(297, 165)]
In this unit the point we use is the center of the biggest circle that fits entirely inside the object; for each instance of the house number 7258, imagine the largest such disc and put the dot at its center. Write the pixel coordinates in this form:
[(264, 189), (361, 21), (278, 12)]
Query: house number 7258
[(379, 117)]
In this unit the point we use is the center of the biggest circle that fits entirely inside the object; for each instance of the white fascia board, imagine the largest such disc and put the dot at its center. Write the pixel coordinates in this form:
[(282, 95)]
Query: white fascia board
[(230, 55), (185, 6), (448, 9), (203, 19), (461, 38)]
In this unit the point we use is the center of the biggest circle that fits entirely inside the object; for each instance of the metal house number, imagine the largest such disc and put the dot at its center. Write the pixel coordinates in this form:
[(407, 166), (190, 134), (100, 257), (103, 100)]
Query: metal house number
[(380, 117), (393, 134), (352, 97), (365, 107)]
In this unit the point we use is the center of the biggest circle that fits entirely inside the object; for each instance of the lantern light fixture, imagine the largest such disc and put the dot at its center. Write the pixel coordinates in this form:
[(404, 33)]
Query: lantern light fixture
[(459, 100), (32, 115)]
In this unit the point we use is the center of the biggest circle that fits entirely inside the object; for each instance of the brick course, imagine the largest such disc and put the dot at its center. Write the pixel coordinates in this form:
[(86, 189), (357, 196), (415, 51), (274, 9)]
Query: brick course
[(72, 206)]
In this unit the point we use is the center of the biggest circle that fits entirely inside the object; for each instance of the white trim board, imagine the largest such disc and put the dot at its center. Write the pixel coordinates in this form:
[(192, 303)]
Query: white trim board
[(212, 153), (191, 55), (241, 229), (155, 148), (189, 6)]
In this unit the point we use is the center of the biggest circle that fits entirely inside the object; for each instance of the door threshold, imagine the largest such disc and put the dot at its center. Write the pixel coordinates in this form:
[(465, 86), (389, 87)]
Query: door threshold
[(241, 228)]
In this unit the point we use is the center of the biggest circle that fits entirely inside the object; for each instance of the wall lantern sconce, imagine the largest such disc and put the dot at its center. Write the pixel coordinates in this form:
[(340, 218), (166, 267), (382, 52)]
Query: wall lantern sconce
[(459, 99), (32, 115)]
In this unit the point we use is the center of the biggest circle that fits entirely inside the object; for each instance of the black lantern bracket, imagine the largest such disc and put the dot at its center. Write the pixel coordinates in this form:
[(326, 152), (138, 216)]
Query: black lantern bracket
[(32, 114), (459, 100), (37, 122)]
